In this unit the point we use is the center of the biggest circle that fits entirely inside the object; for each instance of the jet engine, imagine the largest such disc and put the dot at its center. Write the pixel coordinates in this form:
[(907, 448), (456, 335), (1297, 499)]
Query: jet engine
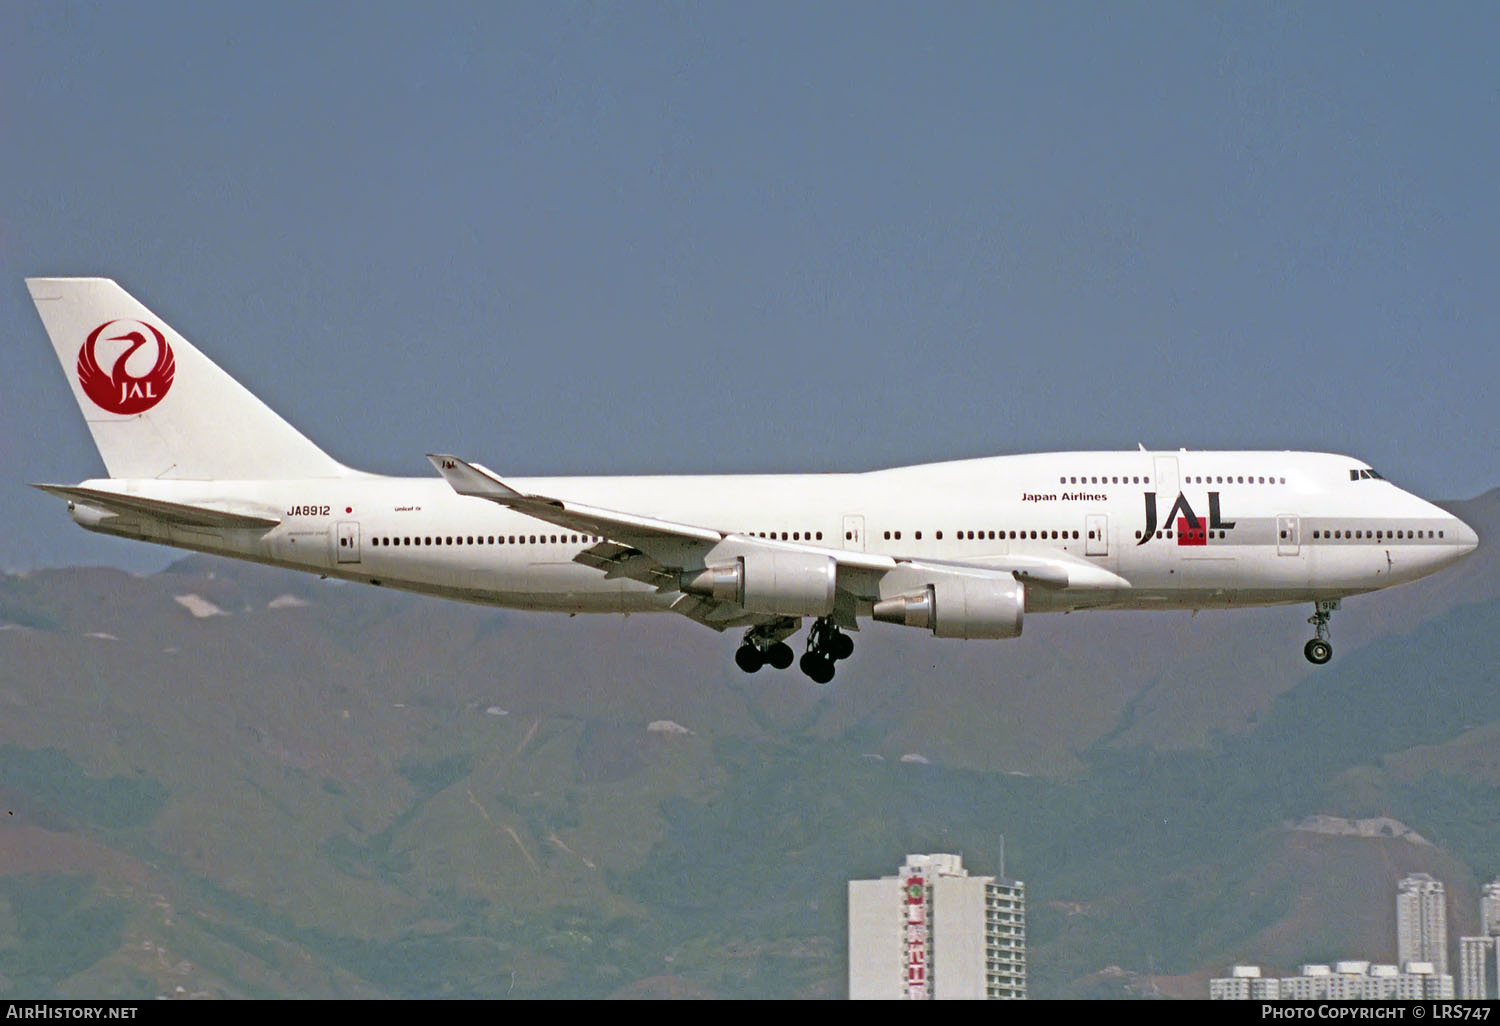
[(960, 607), (783, 583)]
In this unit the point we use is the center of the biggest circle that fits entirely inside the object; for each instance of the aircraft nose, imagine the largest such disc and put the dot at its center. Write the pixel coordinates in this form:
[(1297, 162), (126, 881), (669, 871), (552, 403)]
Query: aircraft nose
[(1467, 537)]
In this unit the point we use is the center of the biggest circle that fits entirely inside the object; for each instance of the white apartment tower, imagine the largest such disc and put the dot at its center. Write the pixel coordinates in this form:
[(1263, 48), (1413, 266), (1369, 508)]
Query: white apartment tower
[(1489, 909), (1422, 922), (934, 931), (1479, 957), (1478, 968)]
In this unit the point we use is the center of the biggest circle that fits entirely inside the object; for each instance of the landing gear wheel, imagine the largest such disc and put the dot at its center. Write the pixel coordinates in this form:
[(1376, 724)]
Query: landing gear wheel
[(763, 644), (817, 666), (1318, 652), (780, 655), (749, 658), (825, 640)]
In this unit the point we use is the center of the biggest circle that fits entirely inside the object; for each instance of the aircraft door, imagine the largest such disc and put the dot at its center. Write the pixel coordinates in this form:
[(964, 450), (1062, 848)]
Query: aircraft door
[(1097, 535), (854, 533), (1165, 484), (348, 541), (1287, 541)]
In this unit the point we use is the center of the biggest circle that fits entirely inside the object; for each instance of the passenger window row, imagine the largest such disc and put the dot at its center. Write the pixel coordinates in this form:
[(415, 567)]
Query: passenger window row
[(790, 535), (1015, 535), (1189, 479), (493, 539), (1104, 479), (976, 535), (1378, 535), (1232, 479)]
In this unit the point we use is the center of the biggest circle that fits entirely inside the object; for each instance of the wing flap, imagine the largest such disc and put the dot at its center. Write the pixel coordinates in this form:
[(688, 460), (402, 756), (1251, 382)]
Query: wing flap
[(616, 561)]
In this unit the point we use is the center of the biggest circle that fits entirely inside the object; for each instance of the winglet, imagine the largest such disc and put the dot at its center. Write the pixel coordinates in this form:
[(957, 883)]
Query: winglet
[(472, 479)]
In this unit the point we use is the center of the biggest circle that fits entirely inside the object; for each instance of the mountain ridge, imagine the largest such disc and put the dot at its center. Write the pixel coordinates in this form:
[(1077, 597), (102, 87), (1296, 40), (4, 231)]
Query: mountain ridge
[(329, 790)]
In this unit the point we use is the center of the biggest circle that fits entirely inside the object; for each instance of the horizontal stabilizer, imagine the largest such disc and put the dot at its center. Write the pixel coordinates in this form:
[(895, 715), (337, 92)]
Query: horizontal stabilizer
[(160, 509)]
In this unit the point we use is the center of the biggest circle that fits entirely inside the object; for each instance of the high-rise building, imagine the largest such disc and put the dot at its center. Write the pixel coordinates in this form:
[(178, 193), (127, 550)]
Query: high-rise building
[(1479, 957), (1422, 922), (1478, 968), (1489, 909), (934, 931)]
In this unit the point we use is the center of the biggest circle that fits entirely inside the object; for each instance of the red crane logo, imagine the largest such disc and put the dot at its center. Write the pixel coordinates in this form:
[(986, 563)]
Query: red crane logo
[(119, 391)]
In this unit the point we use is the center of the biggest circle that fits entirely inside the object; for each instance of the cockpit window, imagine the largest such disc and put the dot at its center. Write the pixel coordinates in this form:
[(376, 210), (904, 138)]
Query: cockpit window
[(1365, 474)]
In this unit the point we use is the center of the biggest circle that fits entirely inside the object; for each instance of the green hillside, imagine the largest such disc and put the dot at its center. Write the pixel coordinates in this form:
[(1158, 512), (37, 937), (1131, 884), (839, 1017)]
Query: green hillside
[(328, 791)]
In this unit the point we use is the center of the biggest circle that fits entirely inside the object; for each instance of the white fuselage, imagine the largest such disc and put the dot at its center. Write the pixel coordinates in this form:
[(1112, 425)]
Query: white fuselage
[(1179, 529)]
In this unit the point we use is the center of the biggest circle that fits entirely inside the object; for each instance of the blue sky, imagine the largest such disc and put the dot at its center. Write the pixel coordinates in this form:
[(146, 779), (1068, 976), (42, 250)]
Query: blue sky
[(584, 238)]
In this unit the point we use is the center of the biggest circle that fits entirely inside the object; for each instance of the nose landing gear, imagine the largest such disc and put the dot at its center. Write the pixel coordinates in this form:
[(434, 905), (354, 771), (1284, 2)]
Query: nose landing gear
[(1319, 650)]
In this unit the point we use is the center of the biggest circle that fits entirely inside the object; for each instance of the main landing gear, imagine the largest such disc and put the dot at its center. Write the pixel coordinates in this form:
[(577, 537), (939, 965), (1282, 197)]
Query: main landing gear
[(826, 644), (764, 644), (751, 657), (1318, 650)]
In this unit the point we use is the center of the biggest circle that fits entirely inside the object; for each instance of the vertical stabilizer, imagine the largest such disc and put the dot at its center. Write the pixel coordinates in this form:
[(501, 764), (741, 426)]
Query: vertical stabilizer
[(156, 406)]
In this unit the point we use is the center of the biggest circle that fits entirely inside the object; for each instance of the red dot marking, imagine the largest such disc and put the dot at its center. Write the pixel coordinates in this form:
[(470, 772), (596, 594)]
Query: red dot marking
[(348, 509)]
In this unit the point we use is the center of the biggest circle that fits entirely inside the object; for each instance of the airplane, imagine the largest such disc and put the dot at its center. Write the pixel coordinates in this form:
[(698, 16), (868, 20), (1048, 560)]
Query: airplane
[(961, 549)]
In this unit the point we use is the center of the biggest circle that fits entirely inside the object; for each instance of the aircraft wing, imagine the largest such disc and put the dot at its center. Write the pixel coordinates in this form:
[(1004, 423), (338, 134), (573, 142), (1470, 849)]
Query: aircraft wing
[(160, 509), (475, 480), (657, 551)]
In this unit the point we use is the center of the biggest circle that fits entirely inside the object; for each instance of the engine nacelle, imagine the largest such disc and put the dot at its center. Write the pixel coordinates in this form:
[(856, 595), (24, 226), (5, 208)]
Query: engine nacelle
[(960, 607), (783, 583)]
